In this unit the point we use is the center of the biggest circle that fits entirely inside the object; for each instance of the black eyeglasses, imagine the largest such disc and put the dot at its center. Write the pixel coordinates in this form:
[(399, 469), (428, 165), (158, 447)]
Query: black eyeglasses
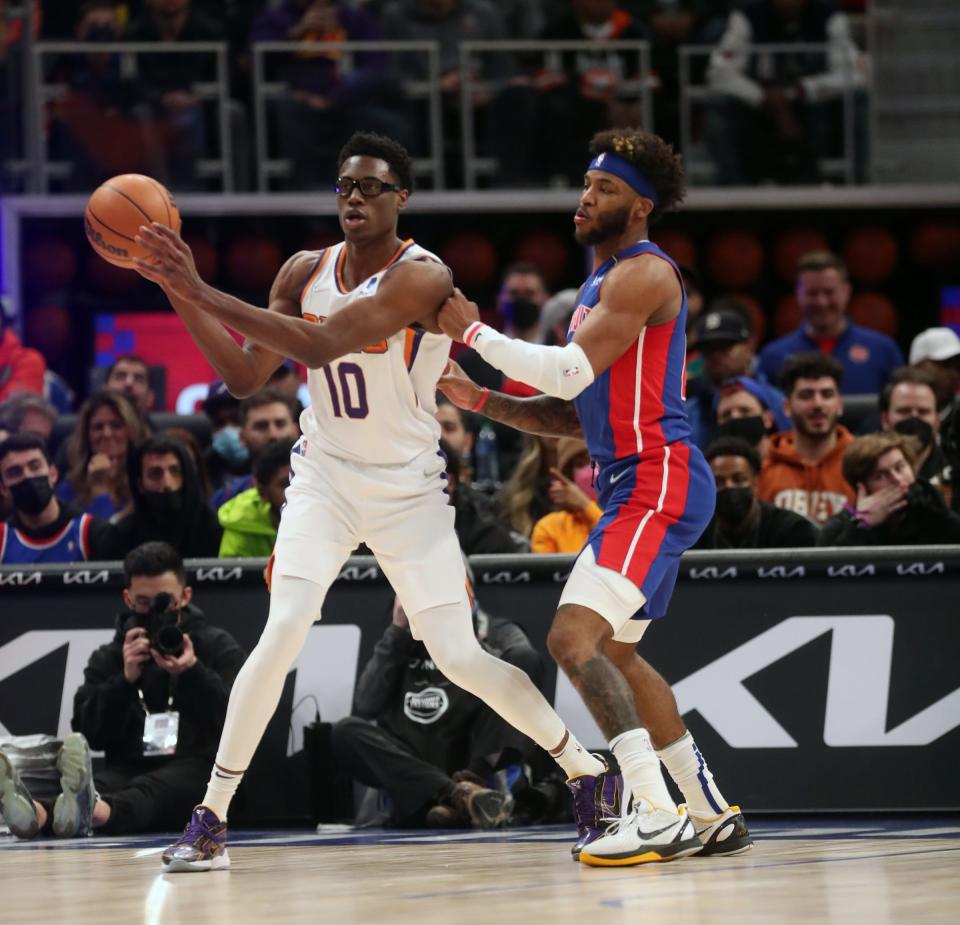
[(369, 186)]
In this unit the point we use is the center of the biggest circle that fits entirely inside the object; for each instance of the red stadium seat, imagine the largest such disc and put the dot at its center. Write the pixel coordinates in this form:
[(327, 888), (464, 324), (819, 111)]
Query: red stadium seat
[(935, 244), (758, 317), (50, 264), (735, 259), (252, 263), (791, 246), (871, 254), (787, 316), (876, 311), (471, 257), (547, 251), (48, 329), (679, 245)]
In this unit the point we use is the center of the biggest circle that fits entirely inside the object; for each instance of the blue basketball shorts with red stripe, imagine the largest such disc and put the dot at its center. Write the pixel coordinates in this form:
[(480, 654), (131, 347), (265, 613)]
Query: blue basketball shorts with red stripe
[(655, 506)]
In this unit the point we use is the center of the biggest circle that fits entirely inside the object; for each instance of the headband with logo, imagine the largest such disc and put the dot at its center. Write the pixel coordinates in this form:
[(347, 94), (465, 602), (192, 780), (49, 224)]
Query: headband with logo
[(619, 167)]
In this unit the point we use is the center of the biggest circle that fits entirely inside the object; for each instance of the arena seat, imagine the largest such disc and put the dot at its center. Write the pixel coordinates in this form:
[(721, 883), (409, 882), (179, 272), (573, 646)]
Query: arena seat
[(857, 409)]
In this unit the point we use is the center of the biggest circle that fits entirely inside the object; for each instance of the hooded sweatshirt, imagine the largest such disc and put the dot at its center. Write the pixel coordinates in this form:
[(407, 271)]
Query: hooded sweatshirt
[(814, 490), (192, 529), (248, 528)]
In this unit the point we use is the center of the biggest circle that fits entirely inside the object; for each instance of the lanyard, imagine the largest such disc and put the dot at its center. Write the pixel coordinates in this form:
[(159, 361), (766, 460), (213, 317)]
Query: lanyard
[(143, 703)]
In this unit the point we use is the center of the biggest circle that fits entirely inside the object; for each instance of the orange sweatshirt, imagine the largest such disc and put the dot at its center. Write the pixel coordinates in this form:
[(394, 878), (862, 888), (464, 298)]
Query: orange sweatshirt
[(815, 491), (563, 531)]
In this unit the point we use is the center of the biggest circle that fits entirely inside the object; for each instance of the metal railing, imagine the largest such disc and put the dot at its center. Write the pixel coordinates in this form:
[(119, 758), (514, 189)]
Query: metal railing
[(700, 167), (216, 91), (476, 84), (427, 91)]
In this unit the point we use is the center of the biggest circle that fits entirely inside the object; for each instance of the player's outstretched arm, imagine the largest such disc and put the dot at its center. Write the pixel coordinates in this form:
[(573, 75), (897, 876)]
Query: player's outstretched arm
[(539, 414), (634, 292), (408, 293)]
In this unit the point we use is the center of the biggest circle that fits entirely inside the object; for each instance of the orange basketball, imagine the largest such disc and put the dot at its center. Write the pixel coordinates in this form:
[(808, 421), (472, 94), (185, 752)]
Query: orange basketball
[(116, 211)]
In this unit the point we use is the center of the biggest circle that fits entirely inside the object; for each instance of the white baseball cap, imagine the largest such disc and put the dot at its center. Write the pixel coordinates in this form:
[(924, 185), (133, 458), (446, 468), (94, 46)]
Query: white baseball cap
[(934, 344)]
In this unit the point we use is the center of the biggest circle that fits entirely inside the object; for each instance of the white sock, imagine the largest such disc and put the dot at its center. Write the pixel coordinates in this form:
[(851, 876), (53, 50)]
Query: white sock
[(689, 771), (576, 760), (640, 768), (220, 790)]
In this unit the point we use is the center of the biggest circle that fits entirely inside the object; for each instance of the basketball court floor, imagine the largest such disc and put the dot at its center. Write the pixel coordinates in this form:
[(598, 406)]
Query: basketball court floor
[(892, 870)]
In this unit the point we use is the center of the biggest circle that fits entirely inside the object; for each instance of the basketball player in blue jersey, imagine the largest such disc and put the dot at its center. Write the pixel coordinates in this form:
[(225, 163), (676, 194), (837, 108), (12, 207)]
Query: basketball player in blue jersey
[(361, 316), (619, 382)]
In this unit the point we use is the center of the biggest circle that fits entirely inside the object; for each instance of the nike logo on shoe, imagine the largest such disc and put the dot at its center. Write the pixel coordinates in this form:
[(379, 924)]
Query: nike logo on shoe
[(657, 832)]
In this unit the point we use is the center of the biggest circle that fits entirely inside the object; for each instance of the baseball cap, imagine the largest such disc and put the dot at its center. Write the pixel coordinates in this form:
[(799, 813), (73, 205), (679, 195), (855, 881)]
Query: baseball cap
[(934, 344), (721, 326), (758, 390)]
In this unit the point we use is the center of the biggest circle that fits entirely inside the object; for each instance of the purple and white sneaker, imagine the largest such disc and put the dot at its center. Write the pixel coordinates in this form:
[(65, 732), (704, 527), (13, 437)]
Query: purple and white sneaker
[(596, 803), (203, 845)]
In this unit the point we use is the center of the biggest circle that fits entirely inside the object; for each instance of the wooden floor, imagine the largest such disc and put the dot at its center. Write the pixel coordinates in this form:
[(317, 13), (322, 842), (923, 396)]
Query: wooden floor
[(889, 871)]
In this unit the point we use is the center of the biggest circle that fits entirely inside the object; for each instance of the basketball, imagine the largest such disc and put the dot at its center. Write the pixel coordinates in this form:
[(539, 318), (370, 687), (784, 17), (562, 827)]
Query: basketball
[(118, 208)]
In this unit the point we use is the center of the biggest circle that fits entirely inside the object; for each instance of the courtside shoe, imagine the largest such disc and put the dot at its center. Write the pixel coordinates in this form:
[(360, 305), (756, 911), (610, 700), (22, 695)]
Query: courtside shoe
[(16, 804), (485, 808), (203, 845), (596, 803), (643, 835), (73, 811), (725, 834)]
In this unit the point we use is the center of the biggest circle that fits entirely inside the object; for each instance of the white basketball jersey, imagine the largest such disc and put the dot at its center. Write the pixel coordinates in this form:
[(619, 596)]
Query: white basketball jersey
[(376, 405)]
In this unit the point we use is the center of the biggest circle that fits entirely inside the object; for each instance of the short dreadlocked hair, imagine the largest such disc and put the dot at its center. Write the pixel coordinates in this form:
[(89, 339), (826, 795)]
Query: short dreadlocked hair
[(369, 144), (653, 157)]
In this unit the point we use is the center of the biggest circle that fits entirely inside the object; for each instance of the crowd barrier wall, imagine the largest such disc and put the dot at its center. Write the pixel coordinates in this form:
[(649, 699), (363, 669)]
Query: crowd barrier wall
[(813, 680)]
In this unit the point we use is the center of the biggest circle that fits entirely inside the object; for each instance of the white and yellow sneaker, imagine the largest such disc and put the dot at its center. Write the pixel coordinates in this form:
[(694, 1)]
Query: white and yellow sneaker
[(644, 835)]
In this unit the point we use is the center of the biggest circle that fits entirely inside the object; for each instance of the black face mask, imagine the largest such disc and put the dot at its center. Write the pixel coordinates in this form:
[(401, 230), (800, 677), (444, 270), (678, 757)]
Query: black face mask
[(751, 429), (163, 504), (521, 313), (32, 495), (733, 504), (917, 428)]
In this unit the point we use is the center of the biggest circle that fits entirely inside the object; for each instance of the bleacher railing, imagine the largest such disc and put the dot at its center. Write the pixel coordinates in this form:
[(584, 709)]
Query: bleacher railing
[(700, 93), (46, 88), (487, 67), (425, 92)]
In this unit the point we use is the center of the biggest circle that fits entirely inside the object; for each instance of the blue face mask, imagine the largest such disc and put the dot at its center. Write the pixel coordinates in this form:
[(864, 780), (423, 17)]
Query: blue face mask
[(227, 445)]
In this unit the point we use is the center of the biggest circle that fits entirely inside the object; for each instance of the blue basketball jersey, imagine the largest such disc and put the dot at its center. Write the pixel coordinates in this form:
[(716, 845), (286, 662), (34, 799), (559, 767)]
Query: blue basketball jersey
[(70, 544)]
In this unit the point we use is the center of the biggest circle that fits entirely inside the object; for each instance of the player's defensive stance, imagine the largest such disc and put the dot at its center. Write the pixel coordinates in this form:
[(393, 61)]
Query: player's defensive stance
[(361, 316), (620, 382)]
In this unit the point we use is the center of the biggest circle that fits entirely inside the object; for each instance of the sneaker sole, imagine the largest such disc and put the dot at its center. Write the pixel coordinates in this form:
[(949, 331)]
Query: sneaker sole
[(489, 811), (180, 866), (727, 849), (18, 811), (74, 779), (659, 854)]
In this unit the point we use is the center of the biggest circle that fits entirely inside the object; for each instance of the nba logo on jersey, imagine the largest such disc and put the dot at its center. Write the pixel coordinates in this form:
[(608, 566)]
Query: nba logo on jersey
[(369, 286)]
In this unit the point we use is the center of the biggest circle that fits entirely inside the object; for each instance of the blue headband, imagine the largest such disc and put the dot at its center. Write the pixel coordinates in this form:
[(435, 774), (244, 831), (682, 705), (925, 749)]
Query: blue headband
[(611, 163)]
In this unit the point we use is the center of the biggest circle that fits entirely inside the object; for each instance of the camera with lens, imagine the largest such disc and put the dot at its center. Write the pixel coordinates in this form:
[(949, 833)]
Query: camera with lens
[(161, 625)]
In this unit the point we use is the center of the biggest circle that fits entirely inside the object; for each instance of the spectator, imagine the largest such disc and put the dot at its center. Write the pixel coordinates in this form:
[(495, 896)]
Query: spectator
[(477, 527), (21, 368), (458, 436), (189, 440), (892, 507), (130, 376), (742, 520), (167, 502), (41, 529), (250, 519), (576, 512), (227, 457), (773, 115), (742, 411), (555, 317), (128, 681), (327, 101), (107, 428), (937, 350), (525, 496), (265, 416), (25, 412), (803, 471), (544, 117), (725, 341), (908, 405), (167, 85), (823, 292), (285, 379), (414, 730)]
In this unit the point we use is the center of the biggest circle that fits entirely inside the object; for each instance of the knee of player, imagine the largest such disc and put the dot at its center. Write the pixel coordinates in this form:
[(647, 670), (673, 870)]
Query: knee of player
[(457, 663), (573, 641)]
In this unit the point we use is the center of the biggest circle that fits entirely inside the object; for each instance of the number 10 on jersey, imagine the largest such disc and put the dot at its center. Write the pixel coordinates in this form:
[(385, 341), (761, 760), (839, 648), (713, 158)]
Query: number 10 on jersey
[(348, 390)]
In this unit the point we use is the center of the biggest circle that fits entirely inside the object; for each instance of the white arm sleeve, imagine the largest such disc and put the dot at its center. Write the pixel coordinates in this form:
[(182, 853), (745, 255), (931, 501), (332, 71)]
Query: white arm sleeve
[(563, 372)]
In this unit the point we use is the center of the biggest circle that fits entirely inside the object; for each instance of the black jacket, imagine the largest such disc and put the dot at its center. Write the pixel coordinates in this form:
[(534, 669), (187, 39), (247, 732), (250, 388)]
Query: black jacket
[(925, 521), (407, 695), (193, 531), (106, 708), (477, 526), (774, 529)]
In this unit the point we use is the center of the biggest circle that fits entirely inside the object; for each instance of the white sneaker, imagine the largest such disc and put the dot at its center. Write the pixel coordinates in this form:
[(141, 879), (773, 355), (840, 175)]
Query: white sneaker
[(726, 834), (644, 835)]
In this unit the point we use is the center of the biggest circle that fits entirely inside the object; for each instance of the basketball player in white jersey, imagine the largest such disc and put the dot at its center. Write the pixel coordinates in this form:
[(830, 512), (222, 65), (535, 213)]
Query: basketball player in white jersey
[(361, 316)]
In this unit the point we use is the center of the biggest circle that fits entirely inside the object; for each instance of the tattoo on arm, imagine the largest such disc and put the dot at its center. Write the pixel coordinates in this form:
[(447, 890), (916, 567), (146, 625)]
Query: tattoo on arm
[(541, 415)]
